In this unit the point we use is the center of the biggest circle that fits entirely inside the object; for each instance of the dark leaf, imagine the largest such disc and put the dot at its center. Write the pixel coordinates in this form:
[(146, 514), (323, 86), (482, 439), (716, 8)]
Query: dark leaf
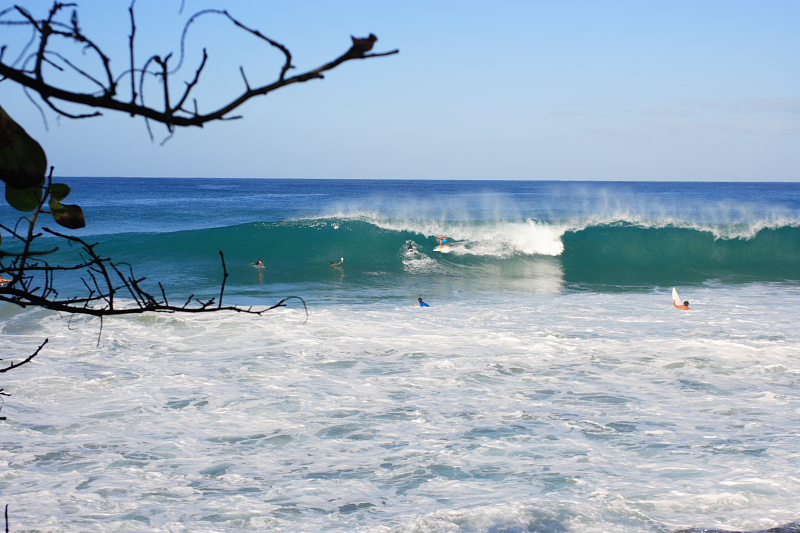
[(24, 199), (69, 216), (23, 163), (59, 191)]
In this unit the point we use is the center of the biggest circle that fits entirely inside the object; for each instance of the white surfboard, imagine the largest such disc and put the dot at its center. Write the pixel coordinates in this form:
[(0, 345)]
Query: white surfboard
[(676, 297), (445, 248)]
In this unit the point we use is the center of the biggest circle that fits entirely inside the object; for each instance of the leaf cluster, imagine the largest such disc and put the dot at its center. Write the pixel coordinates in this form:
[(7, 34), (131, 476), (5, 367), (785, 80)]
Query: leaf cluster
[(29, 187), (23, 165)]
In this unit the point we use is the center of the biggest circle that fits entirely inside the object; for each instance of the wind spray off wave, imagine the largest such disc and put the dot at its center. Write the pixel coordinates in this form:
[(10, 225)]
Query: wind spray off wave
[(488, 252)]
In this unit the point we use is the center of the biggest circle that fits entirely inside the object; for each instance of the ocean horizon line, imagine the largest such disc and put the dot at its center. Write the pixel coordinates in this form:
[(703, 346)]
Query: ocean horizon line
[(427, 180)]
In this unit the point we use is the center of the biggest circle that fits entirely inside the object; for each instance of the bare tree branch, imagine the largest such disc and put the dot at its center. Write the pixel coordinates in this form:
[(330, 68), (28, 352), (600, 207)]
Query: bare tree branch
[(32, 277), (102, 278), (191, 85), (131, 49), (224, 278), (34, 77), (12, 366)]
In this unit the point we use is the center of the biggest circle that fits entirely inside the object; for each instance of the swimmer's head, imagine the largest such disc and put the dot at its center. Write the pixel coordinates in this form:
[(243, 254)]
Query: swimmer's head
[(419, 300), (686, 303)]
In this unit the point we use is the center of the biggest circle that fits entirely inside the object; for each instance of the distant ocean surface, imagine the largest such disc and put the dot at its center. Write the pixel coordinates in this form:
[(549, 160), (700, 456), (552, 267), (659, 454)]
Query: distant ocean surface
[(551, 386)]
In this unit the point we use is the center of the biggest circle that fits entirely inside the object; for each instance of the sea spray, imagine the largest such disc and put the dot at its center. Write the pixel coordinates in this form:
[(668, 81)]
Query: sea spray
[(487, 254)]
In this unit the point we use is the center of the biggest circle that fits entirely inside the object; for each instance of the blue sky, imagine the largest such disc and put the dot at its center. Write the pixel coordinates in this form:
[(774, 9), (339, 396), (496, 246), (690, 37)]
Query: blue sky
[(700, 91)]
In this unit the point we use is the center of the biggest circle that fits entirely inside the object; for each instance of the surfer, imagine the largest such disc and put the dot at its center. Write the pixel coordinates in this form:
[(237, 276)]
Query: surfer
[(444, 241), (421, 303), (676, 300), (259, 264), (337, 264)]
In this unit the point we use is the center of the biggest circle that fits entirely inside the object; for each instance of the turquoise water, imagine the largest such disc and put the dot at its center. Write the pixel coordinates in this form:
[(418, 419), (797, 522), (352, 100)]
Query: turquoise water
[(551, 386), (595, 236)]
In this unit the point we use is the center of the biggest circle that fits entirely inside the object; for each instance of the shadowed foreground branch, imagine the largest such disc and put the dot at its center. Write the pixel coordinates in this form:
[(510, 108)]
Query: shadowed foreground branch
[(34, 70), (111, 289), (27, 277), (105, 283)]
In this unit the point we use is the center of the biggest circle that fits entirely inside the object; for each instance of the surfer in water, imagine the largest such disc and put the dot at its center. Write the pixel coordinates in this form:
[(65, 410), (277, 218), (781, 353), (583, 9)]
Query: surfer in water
[(676, 300), (337, 264), (259, 264), (421, 303), (444, 241)]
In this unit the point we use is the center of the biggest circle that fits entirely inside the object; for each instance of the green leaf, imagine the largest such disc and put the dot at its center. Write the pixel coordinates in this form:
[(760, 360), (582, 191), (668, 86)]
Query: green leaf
[(23, 163), (67, 215), (23, 199), (59, 191)]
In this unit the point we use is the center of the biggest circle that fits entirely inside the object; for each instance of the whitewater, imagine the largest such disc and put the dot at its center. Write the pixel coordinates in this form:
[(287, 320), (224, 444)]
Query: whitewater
[(551, 386)]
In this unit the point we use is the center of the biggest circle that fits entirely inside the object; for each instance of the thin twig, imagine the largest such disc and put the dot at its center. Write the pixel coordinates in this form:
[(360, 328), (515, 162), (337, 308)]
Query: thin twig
[(163, 293), (12, 366), (131, 47), (34, 78), (224, 278)]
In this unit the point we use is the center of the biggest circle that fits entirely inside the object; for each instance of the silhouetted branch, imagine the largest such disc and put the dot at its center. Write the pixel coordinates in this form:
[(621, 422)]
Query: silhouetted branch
[(102, 278), (34, 77), (131, 48), (282, 304), (190, 85), (12, 366), (224, 278)]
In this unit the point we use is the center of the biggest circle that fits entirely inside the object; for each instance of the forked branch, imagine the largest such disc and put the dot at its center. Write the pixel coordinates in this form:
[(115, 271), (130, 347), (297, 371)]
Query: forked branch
[(12, 366), (31, 74), (29, 280)]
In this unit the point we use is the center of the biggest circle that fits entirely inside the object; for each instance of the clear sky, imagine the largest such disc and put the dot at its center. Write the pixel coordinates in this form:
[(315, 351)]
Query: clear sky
[(539, 90)]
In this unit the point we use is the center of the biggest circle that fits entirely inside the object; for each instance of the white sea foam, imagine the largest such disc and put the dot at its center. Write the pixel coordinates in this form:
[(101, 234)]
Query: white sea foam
[(542, 411), (491, 225)]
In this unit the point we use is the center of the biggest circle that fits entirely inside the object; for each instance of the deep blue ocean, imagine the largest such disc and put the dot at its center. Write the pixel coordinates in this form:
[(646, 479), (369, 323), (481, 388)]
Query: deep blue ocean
[(551, 386)]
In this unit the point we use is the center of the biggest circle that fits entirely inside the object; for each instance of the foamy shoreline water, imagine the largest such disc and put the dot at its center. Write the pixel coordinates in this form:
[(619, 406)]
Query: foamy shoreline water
[(551, 387), (560, 411)]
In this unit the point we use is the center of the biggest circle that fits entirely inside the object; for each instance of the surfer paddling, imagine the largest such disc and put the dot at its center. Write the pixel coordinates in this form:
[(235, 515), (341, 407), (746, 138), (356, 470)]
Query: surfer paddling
[(676, 300), (337, 264), (421, 303)]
